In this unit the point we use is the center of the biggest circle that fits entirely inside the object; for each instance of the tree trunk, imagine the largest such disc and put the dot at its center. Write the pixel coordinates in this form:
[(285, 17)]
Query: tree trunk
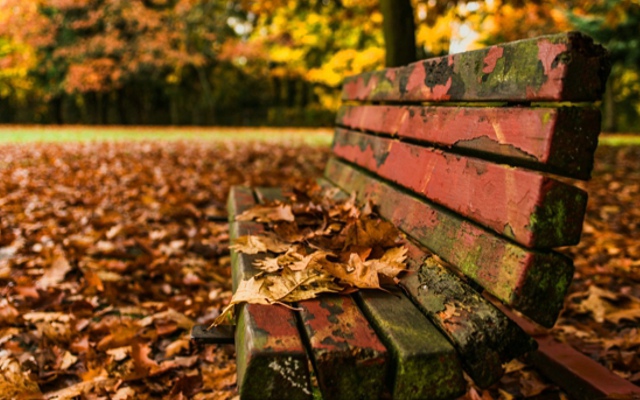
[(608, 109), (56, 110), (399, 32), (122, 107)]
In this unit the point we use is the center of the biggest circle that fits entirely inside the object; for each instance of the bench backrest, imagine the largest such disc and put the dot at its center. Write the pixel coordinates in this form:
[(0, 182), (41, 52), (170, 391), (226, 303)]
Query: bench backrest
[(461, 151)]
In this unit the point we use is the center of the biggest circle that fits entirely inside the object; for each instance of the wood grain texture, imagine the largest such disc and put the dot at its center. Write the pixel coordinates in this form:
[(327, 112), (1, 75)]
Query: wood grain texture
[(424, 364), (271, 358), (532, 209), (558, 140), (562, 67), (349, 359), (534, 282)]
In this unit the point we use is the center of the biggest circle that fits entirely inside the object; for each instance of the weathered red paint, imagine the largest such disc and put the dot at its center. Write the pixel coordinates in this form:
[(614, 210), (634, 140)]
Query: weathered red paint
[(559, 140), (547, 54), (336, 324), (271, 359), (504, 199), (491, 59), (277, 328), (532, 282), (350, 360), (579, 75)]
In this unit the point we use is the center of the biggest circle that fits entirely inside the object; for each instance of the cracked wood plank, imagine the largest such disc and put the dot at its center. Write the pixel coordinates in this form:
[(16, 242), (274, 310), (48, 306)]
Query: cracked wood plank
[(271, 359), (561, 67), (558, 140), (534, 210), (533, 282)]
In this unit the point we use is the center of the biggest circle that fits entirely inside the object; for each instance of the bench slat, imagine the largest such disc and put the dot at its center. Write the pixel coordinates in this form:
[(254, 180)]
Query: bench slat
[(271, 358), (532, 209), (558, 140), (349, 359), (561, 67), (425, 364), (533, 282), (482, 334)]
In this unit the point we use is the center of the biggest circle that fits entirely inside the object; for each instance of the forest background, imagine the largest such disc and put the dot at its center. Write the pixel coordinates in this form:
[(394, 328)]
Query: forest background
[(272, 62)]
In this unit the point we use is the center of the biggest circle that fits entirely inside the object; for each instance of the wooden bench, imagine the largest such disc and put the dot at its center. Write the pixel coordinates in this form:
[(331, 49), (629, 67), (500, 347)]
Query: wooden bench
[(472, 156)]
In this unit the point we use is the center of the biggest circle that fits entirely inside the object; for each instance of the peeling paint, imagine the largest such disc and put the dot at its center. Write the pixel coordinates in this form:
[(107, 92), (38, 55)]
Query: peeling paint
[(491, 59)]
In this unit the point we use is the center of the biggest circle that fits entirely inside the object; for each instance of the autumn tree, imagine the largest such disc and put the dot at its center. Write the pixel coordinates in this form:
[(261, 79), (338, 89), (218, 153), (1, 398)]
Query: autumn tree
[(399, 32)]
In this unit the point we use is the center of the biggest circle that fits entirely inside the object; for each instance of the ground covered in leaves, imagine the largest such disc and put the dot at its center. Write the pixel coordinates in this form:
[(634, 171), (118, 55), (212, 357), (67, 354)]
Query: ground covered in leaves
[(110, 252)]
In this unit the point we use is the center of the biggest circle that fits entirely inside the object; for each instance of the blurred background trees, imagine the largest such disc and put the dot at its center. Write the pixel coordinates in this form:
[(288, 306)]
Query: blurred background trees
[(272, 62)]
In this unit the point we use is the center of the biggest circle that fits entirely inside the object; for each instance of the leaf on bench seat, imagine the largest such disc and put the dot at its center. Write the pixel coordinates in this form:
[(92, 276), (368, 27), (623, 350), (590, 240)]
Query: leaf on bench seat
[(267, 213), (341, 249), (254, 244)]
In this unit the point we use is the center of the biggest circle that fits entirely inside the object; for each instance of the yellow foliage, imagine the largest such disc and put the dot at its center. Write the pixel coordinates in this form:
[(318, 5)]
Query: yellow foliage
[(347, 62), (436, 39), (506, 22), (361, 3)]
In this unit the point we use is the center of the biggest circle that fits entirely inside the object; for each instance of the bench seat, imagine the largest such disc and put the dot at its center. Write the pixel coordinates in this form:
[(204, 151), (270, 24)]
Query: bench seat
[(473, 157)]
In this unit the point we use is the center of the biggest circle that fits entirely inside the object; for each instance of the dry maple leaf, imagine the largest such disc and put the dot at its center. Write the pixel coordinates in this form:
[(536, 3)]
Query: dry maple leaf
[(268, 213), (355, 272), (254, 244), (268, 264), (391, 264), (292, 286), (248, 291)]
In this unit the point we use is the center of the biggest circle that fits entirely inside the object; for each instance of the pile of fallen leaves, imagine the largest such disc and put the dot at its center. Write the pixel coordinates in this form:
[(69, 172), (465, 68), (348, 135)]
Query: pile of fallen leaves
[(111, 252), (320, 245)]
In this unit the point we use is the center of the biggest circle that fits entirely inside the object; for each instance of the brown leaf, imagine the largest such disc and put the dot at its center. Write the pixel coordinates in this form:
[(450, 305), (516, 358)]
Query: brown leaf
[(9, 315), (391, 264), (254, 244), (300, 285), (268, 213), (14, 382), (56, 272), (356, 272), (248, 291)]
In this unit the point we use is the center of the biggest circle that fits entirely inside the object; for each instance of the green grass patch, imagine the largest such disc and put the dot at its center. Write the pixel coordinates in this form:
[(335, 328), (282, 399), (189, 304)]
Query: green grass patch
[(619, 140), (26, 134)]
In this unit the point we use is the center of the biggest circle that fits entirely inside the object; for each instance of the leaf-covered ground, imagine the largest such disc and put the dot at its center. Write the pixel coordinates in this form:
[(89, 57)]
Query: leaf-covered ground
[(110, 252)]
